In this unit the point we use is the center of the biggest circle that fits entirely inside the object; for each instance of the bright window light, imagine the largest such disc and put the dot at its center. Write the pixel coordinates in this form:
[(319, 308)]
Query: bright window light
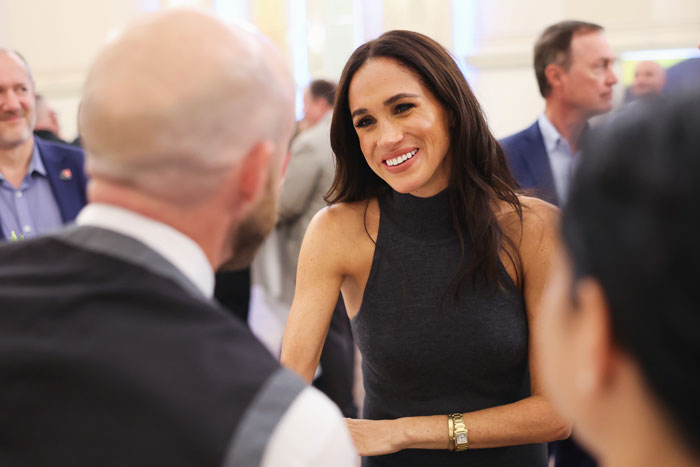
[(660, 54), (465, 33), (298, 37), (233, 9)]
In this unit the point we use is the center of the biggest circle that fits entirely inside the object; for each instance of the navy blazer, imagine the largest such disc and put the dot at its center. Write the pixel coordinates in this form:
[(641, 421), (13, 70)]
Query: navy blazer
[(529, 162), (66, 174)]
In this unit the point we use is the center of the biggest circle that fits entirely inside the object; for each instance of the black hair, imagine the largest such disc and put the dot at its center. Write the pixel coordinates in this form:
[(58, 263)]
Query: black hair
[(633, 223)]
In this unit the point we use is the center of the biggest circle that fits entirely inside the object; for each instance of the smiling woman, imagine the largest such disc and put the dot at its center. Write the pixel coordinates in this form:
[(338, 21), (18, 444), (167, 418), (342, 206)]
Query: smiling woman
[(404, 138), (441, 266)]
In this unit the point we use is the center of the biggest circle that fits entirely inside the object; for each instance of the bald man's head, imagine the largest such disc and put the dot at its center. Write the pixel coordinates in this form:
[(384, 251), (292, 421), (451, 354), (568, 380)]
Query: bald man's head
[(177, 99), (649, 78)]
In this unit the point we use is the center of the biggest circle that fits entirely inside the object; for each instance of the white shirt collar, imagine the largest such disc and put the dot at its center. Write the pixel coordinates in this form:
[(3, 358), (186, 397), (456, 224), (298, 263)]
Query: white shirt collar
[(551, 136), (170, 243)]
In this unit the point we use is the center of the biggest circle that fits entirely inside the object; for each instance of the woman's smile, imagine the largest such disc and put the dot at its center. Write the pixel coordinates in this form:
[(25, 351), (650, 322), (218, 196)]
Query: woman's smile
[(402, 161)]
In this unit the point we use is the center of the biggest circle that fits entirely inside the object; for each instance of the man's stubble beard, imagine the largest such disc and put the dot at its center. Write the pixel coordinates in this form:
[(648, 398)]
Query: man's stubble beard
[(254, 229), (11, 138)]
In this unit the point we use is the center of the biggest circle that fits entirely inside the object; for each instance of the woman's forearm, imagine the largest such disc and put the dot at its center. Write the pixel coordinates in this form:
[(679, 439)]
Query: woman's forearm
[(531, 420)]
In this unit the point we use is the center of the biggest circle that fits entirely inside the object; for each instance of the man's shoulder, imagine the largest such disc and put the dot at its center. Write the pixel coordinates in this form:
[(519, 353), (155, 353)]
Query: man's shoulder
[(521, 146), (311, 432), (28, 254), (522, 137), (47, 276), (55, 151), (65, 258), (316, 138)]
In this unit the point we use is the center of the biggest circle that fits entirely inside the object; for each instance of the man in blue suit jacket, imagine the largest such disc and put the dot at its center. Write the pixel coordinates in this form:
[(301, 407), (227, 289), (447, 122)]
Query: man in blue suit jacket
[(42, 184), (529, 163), (573, 66)]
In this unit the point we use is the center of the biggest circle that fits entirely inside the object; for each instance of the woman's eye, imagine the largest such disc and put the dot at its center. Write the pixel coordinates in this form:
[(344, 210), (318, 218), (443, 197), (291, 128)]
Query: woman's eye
[(363, 122), (403, 108)]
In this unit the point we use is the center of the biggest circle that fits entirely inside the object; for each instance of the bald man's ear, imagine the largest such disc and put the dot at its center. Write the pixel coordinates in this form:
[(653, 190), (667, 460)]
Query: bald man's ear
[(253, 173)]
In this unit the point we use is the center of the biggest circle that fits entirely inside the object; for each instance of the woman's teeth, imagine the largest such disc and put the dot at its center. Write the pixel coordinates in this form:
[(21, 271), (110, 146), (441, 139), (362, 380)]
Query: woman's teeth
[(400, 159)]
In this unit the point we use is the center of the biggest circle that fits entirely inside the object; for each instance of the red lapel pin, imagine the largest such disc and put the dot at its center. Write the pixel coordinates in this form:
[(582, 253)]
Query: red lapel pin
[(66, 174)]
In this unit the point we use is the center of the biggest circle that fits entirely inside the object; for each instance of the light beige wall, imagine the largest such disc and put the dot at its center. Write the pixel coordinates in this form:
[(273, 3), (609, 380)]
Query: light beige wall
[(329, 23), (429, 17), (272, 19)]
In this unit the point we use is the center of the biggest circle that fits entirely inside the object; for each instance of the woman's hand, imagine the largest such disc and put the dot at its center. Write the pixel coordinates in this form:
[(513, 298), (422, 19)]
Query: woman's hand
[(374, 437)]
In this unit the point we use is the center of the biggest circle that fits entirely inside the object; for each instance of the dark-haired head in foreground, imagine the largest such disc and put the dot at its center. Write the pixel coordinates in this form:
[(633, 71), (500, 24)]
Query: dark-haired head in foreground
[(623, 315)]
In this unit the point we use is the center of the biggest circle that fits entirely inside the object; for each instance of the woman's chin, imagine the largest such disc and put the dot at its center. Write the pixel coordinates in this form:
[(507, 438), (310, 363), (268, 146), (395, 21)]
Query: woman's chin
[(403, 188)]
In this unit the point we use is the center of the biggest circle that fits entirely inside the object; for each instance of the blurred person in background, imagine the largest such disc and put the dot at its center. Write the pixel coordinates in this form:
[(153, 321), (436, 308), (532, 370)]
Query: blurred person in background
[(42, 184), (574, 68), (649, 79), (318, 101), (621, 317), (683, 77), (47, 126), (308, 177)]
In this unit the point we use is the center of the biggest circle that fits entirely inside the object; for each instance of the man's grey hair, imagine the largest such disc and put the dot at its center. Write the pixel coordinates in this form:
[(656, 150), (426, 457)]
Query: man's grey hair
[(4, 50)]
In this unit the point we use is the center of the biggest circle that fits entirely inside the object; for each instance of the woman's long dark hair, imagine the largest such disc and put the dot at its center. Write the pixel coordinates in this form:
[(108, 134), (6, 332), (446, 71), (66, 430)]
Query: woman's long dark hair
[(480, 176)]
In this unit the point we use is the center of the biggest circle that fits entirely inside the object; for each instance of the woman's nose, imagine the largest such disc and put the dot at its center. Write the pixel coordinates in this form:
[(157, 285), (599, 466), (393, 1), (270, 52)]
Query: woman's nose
[(391, 134)]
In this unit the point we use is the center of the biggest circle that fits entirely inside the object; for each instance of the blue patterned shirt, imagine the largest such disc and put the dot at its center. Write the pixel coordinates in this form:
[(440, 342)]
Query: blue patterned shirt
[(31, 209)]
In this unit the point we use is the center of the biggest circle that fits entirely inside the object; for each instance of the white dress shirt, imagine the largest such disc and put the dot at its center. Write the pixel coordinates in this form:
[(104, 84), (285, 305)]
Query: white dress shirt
[(312, 431), (561, 159)]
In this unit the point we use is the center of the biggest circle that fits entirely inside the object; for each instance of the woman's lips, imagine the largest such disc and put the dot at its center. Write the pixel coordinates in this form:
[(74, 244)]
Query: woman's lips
[(405, 165)]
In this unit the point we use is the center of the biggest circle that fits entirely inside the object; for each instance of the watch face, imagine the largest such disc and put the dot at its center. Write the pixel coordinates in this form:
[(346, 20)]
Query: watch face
[(461, 438)]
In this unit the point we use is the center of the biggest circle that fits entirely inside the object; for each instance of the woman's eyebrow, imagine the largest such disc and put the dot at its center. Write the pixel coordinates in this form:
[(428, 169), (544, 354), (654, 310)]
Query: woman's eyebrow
[(393, 99), (389, 101)]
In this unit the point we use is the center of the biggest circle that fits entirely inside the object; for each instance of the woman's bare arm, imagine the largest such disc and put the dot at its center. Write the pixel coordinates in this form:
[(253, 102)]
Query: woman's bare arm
[(329, 256)]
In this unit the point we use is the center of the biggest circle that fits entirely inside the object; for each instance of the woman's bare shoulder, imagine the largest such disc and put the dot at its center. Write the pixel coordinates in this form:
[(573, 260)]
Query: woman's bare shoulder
[(538, 218), (345, 222), (340, 216), (538, 214)]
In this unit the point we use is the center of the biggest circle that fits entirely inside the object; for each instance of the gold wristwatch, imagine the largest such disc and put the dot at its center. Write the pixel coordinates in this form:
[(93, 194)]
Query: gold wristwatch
[(459, 433)]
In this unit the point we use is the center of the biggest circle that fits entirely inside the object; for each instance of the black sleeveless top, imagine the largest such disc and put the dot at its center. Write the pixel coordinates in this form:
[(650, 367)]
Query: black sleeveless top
[(423, 352)]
